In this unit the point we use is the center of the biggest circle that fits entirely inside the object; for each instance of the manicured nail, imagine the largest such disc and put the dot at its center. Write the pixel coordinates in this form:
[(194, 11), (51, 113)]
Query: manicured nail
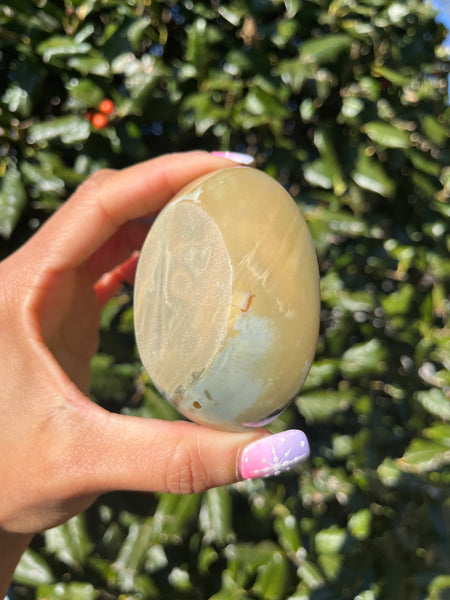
[(238, 157), (274, 454)]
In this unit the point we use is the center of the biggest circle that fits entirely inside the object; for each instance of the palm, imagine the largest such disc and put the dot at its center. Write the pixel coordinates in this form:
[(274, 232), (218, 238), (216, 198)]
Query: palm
[(69, 316), (69, 300)]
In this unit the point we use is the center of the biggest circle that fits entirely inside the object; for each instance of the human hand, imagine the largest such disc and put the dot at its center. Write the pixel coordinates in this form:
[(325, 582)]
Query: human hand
[(60, 450)]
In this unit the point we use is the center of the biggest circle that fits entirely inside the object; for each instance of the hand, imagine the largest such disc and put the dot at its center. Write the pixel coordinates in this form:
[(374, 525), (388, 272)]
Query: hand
[(59, 450)]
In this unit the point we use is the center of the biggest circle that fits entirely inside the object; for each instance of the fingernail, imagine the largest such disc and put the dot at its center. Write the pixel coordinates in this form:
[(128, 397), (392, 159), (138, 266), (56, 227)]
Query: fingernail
[(238, 157), (274, 454)]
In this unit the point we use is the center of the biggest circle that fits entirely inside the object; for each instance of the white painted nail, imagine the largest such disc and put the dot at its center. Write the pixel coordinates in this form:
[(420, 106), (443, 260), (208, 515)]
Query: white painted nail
[(238, 157)]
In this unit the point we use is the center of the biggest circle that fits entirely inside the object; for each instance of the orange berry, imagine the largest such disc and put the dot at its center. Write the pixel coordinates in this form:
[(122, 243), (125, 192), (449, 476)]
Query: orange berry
[(99, 120), (106, 106)]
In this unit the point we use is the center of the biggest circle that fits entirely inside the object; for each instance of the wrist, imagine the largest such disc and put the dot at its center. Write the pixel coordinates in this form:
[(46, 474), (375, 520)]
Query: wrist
[(12, 546)]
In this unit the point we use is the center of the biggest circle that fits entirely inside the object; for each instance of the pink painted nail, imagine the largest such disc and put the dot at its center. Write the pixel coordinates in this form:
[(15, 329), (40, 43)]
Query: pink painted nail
[(274, 454), (238, 157)]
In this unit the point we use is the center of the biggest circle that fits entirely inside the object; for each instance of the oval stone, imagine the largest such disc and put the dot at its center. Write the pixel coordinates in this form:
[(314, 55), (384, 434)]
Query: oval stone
[(226, 300)]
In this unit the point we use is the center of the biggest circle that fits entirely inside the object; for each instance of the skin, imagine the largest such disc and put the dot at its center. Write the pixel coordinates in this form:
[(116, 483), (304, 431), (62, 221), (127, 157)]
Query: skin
[(59, 450)]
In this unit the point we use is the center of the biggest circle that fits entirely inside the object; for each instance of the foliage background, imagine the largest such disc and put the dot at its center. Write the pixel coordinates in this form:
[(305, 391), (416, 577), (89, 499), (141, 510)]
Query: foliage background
[(344, 102)]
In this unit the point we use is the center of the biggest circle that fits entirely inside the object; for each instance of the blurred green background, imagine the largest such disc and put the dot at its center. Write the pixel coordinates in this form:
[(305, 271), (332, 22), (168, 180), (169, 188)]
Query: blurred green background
[(345, 103)]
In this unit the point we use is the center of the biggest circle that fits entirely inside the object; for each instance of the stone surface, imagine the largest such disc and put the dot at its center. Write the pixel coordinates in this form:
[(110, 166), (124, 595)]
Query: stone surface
[(227, 300)]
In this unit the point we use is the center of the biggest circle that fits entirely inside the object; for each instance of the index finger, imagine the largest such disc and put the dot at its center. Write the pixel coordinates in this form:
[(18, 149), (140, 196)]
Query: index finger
[(108, 199)]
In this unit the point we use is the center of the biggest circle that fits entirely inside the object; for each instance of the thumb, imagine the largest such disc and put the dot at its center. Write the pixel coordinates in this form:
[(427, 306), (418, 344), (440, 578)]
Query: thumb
[(132, 453)]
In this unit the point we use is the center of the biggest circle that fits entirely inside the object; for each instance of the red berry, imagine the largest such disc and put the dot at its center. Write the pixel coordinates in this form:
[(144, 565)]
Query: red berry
[(106, 106), (99, 120)]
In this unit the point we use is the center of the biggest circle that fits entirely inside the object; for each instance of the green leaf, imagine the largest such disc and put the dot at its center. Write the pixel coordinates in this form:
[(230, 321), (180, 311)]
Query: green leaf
[(238, 62), (67, 591), (233, 15), (428, 185), (425, 455), (47, 20), (329, 156), (61, 47), (272, 578), (156, 558), (259, 102), (94, 64), (17, 100), (69, 129), (351, 107), (364, 359), (321, 405), (215, 517), (141, 78), (369, 87), (419, 161), (438, 432), (438, 131), (180, 580), (250, 556), (331, 540), (435, 402), (386, 135), (317, 173), (395, 77), (13, 200), (293, 73), (173, 514), (201, 112), (438, 584), (359, 524), (308, 109), (288, 531), (327, 48), (311, 575), (399, 302), (200, 35), (33, 570), (343, 446), (132, 553), (358, 28), (84, 33), (70, 542), (85, 92), (207, 556), (331, 565), (41, 179), (137, 30), (358, 301), (230, 590), (320, 374), (367, 595), (370, 175)]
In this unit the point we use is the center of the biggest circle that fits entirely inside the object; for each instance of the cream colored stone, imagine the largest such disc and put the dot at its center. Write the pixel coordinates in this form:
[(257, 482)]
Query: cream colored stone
[(227, 300)]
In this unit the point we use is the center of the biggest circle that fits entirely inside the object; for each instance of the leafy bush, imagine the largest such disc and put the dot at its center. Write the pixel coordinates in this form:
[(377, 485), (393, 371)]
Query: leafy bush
[(344, 102)]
